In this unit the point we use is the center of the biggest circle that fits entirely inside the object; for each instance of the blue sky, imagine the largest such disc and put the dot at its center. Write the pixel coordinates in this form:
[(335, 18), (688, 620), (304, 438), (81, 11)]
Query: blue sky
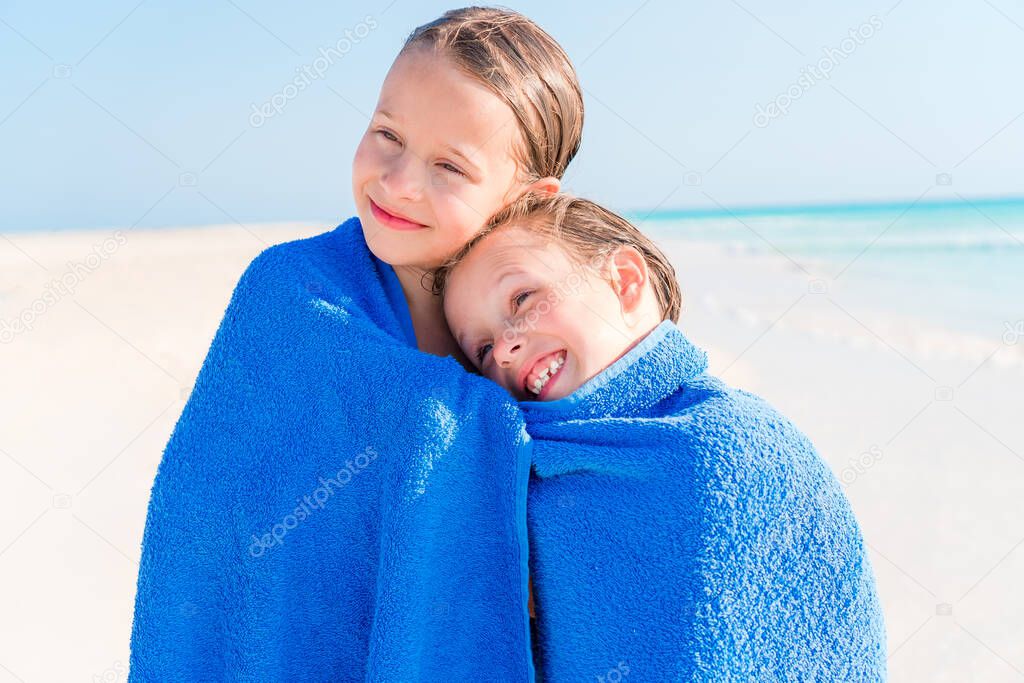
[(128, 113)]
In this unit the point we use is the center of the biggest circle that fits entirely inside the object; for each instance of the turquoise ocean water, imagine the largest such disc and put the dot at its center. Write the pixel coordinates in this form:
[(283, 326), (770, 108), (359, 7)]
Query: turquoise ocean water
[(957, 263)]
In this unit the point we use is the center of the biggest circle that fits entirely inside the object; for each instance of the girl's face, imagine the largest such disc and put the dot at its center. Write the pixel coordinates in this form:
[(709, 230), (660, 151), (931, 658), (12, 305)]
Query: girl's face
[(435, 162), (522, 310)]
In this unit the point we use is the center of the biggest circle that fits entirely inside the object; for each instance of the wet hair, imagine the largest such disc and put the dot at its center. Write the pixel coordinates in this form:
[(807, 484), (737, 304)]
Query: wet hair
[(524, 66), (589, 234)]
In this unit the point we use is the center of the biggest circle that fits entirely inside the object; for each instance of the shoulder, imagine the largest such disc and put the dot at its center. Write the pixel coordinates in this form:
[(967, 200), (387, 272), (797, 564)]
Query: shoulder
[(727, 416), (346, 237), (736, 440), (335, 265)]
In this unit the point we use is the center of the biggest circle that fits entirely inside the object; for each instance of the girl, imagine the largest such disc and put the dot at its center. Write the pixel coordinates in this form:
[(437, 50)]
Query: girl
[(335, 504), (680, 529), (480, 107), (552, 291)]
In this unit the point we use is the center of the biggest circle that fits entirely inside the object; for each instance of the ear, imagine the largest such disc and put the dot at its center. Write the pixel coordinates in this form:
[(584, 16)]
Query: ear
[(629, 276), (549, 184)]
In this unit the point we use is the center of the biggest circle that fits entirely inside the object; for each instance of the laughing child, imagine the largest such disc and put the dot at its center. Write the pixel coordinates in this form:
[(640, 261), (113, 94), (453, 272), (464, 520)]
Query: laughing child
[(677, 526)]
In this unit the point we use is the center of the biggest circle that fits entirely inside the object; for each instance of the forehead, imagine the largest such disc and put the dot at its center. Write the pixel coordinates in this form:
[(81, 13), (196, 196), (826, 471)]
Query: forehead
[(506, 249), (427, 93), (510, 251), (471, 287)]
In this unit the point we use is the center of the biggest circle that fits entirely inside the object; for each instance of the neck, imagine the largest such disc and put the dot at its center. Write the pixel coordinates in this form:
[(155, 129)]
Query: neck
[(427, 313), (420, 300), (639, 332)]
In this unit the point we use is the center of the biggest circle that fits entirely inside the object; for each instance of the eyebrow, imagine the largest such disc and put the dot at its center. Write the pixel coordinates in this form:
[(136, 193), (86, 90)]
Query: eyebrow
[(451, 149), (508, 273), (454, 151)]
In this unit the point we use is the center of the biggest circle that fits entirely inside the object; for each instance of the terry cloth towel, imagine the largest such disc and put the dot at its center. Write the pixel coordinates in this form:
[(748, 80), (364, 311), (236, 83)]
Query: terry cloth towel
[(333, 504), (683, 530)]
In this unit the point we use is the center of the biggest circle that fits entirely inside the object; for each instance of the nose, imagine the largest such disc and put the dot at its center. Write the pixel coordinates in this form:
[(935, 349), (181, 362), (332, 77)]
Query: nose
[(402, 177), (507, 350)]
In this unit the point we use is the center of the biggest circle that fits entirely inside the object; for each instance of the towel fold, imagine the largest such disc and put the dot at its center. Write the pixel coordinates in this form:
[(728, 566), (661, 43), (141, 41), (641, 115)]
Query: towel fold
[(683, 530), (333, 504)]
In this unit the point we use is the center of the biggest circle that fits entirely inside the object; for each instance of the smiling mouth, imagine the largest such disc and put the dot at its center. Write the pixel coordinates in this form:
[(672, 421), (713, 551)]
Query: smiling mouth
[(542, 373), (392, 220)]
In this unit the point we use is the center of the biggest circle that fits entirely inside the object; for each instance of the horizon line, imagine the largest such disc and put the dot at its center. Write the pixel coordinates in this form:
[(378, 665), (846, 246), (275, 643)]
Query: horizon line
[(817, 207)]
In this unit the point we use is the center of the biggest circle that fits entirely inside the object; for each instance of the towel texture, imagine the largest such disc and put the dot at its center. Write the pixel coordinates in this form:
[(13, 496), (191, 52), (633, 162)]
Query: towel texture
[(683, 530), (333, 504)]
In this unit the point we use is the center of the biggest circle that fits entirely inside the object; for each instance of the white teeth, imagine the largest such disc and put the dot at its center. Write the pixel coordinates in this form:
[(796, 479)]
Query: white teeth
[(544, 375)]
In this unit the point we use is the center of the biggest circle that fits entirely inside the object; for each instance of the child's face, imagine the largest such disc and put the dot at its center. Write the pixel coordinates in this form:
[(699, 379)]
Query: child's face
[(517, 304), (434, 163)]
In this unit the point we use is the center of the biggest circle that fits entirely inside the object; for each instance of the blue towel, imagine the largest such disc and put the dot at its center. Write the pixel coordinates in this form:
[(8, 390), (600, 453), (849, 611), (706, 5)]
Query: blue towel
[(683, 530), (333, 504)]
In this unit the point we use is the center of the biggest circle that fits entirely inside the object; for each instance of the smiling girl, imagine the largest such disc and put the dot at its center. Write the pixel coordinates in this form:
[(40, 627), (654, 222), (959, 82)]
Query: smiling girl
[(480, 107), (333, 347)]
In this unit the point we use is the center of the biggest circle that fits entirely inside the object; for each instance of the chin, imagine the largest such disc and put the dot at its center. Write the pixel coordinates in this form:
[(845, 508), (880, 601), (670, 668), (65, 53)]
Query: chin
[(561, 393), (376, 240)]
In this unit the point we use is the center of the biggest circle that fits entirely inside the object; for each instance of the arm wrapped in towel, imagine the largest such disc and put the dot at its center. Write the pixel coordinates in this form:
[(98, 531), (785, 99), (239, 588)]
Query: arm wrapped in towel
[(682, 530), (334, 505)]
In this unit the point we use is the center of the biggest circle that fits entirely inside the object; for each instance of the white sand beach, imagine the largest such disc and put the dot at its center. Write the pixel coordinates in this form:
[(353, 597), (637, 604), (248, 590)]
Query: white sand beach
[(103, 333)]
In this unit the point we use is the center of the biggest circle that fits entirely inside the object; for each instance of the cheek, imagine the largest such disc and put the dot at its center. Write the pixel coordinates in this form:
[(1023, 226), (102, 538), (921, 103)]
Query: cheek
[(600, 299), (457, 215), (572, 325), (359, 161), (582, 320), (551, 317), (469, 205), (365, 162)]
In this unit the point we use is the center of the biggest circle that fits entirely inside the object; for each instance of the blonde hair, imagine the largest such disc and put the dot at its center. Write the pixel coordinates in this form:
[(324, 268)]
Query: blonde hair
[(526, 68), (587, 231)]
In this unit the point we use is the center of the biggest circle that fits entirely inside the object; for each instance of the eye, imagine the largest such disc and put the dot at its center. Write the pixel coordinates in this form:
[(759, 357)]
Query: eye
[(448, 167), (481, 352), (387, 134), (518, 299)]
